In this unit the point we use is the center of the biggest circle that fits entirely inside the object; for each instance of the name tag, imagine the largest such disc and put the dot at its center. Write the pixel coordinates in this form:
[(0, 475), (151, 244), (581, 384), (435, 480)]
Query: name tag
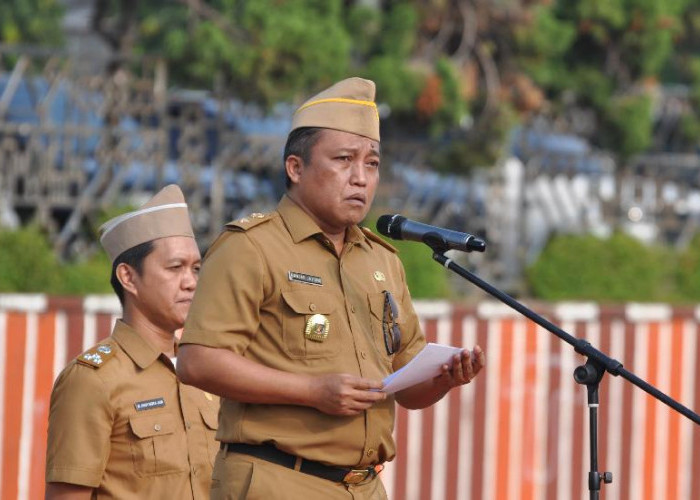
[(149, 404), (305, 278)]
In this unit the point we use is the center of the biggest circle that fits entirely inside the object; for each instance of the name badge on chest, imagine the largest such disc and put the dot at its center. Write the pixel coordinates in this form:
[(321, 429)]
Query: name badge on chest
[(304, 278), (149, 404)]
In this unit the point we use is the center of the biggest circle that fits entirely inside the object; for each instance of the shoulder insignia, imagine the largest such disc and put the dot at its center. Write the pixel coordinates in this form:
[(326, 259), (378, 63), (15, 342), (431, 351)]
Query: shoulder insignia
[(245, 223), (97, 356), (373, 237)]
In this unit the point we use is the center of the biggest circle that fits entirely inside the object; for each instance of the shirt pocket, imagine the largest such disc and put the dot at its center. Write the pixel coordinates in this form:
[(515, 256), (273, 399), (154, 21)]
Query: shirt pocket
[(376, 308), (157, 448), (309, 309), (210, 417)]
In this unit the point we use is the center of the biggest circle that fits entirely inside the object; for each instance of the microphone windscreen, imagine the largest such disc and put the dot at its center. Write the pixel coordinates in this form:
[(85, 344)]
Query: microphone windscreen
[(383, 225)]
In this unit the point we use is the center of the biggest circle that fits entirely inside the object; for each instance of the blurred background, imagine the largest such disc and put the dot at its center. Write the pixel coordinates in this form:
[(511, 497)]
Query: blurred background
[(564, 133)]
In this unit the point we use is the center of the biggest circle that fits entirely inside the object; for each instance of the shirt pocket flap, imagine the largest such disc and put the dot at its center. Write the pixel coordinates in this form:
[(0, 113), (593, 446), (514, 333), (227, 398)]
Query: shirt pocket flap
[(210, 417), (152, 425), (376, 307), (305, 302)]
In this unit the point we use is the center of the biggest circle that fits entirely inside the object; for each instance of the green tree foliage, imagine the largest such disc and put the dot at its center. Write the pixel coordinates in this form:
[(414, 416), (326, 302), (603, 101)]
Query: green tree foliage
[(425, 278), (31, 21), (611, 54), (265, 50), (28, 265), (688, 271), (446, 68), (612, 270)]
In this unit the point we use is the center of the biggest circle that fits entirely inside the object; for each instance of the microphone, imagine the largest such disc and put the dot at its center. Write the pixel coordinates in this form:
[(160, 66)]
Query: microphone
[(400, 228)]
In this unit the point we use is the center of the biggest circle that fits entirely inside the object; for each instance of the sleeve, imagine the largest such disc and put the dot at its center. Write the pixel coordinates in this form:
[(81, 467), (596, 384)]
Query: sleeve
[(80, 426), (412, 338), (225, 310)]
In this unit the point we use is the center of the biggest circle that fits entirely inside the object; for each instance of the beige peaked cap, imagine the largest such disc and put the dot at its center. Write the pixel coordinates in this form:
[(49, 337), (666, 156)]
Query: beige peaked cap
[(347, 106), (163, 215)]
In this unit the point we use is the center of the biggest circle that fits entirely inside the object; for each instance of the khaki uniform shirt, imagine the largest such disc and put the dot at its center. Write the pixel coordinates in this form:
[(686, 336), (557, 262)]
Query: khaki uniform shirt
[(262, 284), (121, 423)]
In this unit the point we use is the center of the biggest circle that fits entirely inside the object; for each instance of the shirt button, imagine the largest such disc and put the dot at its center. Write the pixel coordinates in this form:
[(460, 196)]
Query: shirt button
[(352, 308), (194, 471), (312, 307), (363, 354), (370, 452), (188, 425), (156, 427)]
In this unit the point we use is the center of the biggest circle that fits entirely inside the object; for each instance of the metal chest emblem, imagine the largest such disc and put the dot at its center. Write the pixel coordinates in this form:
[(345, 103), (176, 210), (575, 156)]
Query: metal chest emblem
[(379, 276), (317, 327)]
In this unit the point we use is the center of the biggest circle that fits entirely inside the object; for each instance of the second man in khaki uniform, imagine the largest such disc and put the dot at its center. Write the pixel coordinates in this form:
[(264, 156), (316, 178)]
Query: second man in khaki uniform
[(120, 423)]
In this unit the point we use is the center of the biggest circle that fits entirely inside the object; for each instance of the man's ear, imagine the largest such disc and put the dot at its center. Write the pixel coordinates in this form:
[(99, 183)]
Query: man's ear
[(294, 166), (126, 276)]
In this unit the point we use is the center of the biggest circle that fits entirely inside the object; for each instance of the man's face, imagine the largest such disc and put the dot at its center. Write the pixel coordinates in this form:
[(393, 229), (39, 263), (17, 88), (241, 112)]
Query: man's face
[(336, 188), (165, 288)]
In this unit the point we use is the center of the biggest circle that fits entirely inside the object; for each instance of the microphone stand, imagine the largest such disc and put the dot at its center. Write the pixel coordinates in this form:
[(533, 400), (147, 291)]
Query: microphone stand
[(589, 374)]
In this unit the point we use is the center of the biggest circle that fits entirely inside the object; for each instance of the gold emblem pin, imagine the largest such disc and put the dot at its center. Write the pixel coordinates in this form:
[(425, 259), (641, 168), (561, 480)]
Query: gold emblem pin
[(208, 396), (379, 276), (317, 327)]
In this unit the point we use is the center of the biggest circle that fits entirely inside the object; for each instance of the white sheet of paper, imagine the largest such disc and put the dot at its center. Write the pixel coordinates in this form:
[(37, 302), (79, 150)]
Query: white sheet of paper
[(426, 364)]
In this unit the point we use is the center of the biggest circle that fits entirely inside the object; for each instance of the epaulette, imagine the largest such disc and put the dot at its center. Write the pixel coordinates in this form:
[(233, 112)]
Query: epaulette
[(245, 223), (371, 236), (97, 356)]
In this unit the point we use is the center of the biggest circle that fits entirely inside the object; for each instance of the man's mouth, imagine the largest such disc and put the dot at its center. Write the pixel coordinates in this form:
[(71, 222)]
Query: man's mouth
[(360, 198)]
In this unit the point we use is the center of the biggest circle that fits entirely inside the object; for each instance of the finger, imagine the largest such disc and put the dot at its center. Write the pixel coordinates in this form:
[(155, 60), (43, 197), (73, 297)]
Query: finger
[(368, 384), (467, 366), (457, 371), (480, 357), (368, 397)]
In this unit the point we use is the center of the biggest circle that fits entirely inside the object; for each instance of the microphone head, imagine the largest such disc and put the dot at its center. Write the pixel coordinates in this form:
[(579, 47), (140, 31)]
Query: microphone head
[(390, 225), (477, 244)]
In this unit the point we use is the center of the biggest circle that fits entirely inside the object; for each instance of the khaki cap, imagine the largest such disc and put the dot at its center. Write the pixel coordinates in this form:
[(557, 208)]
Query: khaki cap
[(347, 106), (163, 215)]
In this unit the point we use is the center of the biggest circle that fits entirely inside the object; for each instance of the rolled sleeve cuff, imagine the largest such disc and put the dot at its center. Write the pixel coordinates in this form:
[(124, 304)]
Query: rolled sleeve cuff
[(74, 475), (210, 339)]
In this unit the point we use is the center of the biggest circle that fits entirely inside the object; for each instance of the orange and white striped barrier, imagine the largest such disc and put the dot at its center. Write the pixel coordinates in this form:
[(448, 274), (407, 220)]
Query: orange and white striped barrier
[(519, 431)]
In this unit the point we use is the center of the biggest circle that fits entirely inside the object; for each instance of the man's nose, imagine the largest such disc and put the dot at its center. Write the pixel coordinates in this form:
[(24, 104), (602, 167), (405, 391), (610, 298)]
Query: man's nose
[(189, 280), (359, 175)]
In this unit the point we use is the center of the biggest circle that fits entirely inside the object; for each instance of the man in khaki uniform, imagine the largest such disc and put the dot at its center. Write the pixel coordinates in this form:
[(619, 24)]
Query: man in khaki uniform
[(299, 316), (120, 424)]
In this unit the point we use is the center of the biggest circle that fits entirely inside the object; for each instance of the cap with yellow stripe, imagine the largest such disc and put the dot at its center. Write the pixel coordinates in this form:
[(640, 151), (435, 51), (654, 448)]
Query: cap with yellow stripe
[(163, 215), (347, 106)]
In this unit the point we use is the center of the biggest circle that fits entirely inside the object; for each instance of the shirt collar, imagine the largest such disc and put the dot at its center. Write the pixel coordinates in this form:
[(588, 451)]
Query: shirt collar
[(134, 345), (301, 226)]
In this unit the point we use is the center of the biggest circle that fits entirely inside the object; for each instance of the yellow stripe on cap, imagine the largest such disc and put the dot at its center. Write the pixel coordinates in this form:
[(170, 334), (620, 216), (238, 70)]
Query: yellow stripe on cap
[(343, 100)]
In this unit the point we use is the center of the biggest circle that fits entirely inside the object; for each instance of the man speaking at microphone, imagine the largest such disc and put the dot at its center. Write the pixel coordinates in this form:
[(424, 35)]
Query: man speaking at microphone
[(300, 314)]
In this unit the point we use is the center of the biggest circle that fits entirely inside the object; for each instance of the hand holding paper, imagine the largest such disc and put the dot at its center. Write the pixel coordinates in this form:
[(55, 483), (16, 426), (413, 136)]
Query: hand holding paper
[(425, 365)]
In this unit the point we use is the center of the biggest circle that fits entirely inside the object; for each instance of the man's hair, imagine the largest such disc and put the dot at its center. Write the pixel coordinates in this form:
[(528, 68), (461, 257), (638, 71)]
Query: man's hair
[(300, 141), (133, 257)]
